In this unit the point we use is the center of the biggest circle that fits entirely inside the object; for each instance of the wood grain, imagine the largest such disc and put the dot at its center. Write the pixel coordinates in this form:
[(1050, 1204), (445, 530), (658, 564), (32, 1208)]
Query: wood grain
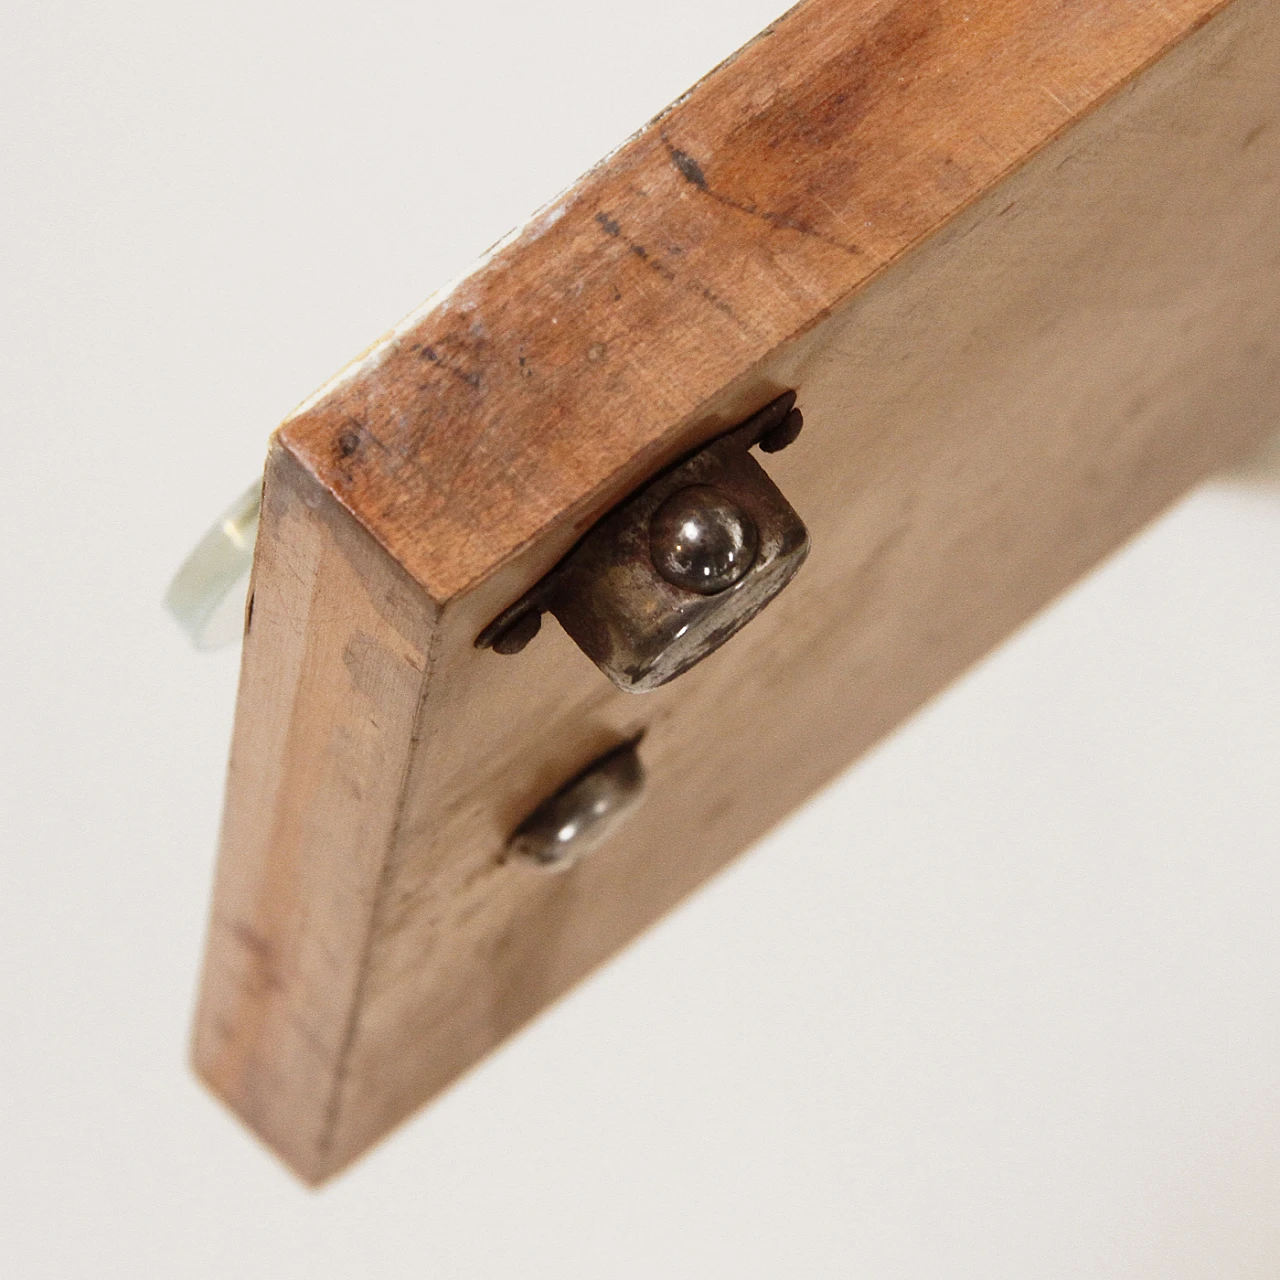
[(590, 349), (1020, 262)]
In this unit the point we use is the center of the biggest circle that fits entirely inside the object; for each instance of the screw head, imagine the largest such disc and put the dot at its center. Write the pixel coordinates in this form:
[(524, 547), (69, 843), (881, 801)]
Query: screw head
[(701, 540), (583, 814)]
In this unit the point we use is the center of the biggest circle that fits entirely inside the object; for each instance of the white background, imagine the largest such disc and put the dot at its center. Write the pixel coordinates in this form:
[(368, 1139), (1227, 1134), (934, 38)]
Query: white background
[(1004, 1003)]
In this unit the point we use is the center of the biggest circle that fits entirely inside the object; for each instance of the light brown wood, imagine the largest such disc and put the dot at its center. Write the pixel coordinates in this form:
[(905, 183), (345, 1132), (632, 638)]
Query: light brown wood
[(1085, 325)]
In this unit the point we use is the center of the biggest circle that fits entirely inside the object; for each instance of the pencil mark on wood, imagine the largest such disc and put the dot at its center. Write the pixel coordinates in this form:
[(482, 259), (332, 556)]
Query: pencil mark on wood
[(612, 227), (691, 171), (470, 376)]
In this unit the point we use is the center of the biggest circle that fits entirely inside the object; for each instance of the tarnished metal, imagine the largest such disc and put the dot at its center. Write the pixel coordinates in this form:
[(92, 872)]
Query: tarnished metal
[(583, 814), (679, 567)]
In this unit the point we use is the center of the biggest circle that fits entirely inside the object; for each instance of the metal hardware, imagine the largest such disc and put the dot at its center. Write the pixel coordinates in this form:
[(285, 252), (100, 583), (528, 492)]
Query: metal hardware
[(583, 814), (702, 540), (679, 567)]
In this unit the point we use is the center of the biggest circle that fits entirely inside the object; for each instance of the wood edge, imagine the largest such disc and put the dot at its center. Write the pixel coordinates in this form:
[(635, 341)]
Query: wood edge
[(313, 1179), (312, 1164), (280, 442), (703, 421)]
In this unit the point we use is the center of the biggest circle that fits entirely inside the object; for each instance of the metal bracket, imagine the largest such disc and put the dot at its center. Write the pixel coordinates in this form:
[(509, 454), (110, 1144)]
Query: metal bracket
[(677, 568)]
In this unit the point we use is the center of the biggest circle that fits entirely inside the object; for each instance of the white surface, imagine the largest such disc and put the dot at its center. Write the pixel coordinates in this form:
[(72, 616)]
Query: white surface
[(1005, 1003)]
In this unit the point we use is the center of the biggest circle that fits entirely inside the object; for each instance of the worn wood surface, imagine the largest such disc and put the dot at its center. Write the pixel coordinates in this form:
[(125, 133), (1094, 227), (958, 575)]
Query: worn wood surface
[(1085, 325)]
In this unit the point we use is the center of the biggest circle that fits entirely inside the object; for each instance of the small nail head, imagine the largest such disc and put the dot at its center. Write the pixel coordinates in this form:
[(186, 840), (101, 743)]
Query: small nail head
[(785, 433), (514, 637)]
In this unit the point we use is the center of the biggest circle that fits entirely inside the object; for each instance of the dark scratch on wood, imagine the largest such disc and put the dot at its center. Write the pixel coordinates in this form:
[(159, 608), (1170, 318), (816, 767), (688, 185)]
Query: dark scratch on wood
[(470, 376), (613, 228), (691, 171)]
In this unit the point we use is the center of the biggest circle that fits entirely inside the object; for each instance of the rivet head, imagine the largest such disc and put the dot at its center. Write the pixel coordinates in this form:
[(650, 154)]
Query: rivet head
[(701, 540), (583, 814)]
